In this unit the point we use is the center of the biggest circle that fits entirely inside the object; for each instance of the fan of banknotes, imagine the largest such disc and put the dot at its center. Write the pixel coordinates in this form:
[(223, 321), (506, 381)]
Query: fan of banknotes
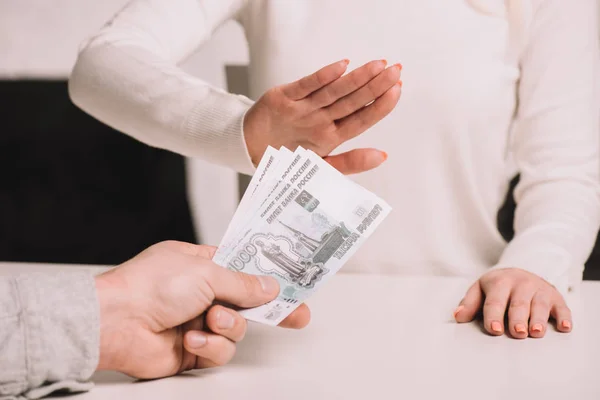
[(299, 221)]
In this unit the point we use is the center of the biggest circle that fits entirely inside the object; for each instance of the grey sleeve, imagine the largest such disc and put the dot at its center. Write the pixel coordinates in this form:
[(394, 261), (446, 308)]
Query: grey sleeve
[(49, 334)]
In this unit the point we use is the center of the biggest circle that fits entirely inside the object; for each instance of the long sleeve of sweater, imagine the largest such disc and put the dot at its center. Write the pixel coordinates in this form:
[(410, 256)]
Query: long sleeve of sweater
[(556, 144), (127, 77)]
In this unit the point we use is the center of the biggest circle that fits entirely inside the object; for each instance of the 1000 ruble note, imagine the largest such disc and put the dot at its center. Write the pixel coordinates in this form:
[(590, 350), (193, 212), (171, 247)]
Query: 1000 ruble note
[(303, 233)]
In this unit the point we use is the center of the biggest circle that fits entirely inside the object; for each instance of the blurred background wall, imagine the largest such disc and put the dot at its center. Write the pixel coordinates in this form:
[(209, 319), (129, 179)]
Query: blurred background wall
[(39, 40), (85, 193)]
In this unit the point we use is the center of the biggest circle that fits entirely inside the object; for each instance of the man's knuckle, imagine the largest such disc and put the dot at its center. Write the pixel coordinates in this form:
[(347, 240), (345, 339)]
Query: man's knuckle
[(274, 94), (166, 244), (226, 353), (243, 329), (248, 283)]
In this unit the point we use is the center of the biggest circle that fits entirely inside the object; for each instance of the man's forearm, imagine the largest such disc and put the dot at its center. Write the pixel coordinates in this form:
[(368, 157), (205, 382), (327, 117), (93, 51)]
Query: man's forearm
[(49, 333)]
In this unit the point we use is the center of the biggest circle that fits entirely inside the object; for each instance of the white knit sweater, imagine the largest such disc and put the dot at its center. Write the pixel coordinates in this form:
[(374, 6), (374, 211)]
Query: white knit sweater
[(485, 85)]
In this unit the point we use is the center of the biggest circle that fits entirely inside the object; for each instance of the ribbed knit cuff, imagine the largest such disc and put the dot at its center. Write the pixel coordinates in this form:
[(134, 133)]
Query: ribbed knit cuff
[(218, 128)]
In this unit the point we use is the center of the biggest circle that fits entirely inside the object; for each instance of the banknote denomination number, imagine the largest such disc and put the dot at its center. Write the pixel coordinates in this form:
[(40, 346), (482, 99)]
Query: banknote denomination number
[(243, 257)]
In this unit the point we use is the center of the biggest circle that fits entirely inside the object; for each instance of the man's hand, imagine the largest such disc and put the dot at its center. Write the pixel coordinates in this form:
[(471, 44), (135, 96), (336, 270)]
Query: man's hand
[(156, 316), (321, 111), (530, 301)]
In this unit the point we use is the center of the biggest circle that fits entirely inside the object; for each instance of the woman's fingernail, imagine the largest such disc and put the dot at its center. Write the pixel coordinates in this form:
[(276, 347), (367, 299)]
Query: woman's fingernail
[(566, 324), (537, 328), (496, 327), (196, 340), (346, 61), (225, 320), (400, 82), (398, 65), (384, 61), (384, 155), (268, 284), (458, 309), (520, 328)]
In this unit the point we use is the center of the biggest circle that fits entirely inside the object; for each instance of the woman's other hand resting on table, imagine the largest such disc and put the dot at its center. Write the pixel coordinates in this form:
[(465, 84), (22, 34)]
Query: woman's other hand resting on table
[(528, 299)]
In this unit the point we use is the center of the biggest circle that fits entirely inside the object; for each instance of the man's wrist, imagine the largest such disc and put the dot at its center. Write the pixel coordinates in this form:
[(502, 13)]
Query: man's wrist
[(113, 341)]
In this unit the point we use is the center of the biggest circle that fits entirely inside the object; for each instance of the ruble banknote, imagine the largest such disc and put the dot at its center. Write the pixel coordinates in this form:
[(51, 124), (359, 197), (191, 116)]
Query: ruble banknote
[(299, 221)]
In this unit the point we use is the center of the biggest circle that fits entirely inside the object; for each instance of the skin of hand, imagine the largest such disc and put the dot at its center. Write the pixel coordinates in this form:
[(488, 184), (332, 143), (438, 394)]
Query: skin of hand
[(322, 110), (157, 316), (528, 299)]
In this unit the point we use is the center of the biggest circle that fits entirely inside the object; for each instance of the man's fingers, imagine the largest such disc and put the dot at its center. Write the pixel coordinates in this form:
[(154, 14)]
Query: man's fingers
[(519, 310), (470, 304), (190, 360), (357, 160), (358, 122), (562, 314), (540, 312), (217, 349), (494, 307), (196, 250), (301, 88), (226, 322), (346, 84), (366, 94), (297, 319), (238, 288)]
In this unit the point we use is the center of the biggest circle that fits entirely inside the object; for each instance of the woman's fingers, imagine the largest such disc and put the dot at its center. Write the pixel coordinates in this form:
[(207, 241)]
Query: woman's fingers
[(519, 310), (346, 84), (226, 322), (366, 94), (358, 122), (494, 307), (297, 319), (356, 161), (470, 304), (540, 312), (212, 349), (562, 314), (301, 88)]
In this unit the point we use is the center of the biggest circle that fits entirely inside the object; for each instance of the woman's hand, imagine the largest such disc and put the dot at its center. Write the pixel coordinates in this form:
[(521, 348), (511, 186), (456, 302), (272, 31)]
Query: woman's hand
[(321, 111), (157, 315), (529, 299)]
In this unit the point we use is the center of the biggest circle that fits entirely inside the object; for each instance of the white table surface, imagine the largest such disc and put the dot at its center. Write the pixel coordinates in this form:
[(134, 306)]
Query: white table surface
[(387, 337)]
